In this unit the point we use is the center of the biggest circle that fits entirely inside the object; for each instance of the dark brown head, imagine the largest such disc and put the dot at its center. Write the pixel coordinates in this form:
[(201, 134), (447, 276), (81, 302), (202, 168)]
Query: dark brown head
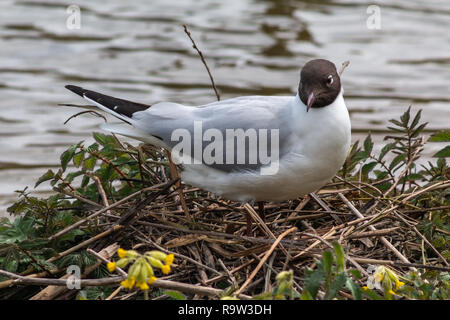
[(319, 83)]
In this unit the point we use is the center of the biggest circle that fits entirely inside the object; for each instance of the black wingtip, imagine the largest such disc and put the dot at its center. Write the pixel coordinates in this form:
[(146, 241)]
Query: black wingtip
[(120, 106), (75, 89)]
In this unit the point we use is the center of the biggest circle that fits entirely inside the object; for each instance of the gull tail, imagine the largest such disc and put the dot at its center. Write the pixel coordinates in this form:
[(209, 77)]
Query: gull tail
[(120, 108)]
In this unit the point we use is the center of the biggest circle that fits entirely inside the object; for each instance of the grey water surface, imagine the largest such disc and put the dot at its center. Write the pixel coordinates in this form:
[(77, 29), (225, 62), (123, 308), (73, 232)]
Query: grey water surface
[(137, 50)]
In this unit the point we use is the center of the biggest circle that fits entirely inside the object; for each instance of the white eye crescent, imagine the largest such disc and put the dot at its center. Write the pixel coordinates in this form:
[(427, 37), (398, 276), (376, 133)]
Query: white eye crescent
[(330, 80)]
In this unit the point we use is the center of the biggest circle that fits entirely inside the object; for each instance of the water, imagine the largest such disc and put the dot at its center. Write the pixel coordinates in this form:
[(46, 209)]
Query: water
[(138, 50)]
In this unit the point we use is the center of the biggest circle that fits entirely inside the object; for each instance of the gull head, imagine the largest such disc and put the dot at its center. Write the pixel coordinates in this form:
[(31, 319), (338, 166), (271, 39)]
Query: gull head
[(320, 84)]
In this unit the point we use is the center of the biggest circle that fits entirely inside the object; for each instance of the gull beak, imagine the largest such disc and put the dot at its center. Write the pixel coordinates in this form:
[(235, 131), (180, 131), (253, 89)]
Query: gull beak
[(311, 99)]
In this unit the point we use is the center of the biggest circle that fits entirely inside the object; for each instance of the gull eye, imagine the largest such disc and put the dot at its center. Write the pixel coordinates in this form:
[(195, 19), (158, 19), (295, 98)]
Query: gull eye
[(330, 80)]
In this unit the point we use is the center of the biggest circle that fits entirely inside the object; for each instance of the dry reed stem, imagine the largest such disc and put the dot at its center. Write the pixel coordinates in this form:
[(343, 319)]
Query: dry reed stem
[(371, 227), (103, 210), (263, 260)]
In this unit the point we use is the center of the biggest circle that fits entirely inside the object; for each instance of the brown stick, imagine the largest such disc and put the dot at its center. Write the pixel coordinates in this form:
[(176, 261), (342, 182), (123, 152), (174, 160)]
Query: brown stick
[(103, 210), (178, 185), (7, 283), (51, 292), (203, 60), (85, 243), (344, 65), (398, 264), (423, 238), (371, 227), (263, 260), (59, 282), (374, 233)]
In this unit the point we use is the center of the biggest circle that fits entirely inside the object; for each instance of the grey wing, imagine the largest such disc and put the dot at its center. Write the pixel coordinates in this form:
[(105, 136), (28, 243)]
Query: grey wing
[(231, 135)]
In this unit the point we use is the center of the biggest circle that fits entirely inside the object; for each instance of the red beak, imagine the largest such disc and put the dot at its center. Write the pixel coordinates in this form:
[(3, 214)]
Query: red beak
[(311, 99)]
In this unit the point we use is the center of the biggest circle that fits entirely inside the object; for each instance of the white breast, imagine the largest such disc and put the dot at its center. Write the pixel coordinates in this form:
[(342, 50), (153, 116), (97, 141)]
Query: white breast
[(318, 146)]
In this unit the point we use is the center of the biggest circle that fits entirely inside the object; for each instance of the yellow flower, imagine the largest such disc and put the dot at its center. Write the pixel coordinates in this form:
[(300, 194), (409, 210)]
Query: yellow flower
[(399, 284), (124, 283), (391, 292), (121, 253), (128, 283), (165, 269), (169, 259), (111, 266), (365, 288), (151, 279), (378, 277), (142, 285)]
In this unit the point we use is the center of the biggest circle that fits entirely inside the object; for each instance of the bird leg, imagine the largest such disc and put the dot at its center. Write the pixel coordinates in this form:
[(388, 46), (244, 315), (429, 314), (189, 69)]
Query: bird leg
[(250, 220), (249, 224), (261, 210)]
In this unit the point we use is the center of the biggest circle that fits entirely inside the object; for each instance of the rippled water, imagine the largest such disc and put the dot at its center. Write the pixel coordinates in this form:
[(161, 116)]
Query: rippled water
[(138, 50)]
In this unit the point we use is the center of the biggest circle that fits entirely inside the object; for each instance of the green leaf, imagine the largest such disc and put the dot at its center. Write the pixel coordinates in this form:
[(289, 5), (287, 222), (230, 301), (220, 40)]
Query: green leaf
[(313, 281), (328, 261), (418, 130), (368, 167), (354, 289), (361, 155), (340, 258), (396, 122), (73, 175), (100, 138), (85, 181), (396, 129), (93, 147), (444, 153), (175, 295), (306, 295), (405, 117), (356, 273), (89, 163), (442, 136), (104, 139), (396, 161), (12, 265), (416, 119), (68, 155), (45, 177), (385, 150), (337, 284), (70, 236), (372, 295), (78, 158), (368, 145), (19, 230)]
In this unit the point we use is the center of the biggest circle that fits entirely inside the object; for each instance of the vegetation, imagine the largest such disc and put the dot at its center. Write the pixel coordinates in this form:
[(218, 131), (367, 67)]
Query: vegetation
[(379, 230)]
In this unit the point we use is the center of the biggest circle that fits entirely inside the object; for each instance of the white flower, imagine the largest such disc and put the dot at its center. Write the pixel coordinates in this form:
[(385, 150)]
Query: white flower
[(375, 277)]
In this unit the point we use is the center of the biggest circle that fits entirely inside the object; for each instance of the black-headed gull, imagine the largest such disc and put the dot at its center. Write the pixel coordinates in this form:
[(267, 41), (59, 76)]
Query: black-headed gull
[(251, 148)]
